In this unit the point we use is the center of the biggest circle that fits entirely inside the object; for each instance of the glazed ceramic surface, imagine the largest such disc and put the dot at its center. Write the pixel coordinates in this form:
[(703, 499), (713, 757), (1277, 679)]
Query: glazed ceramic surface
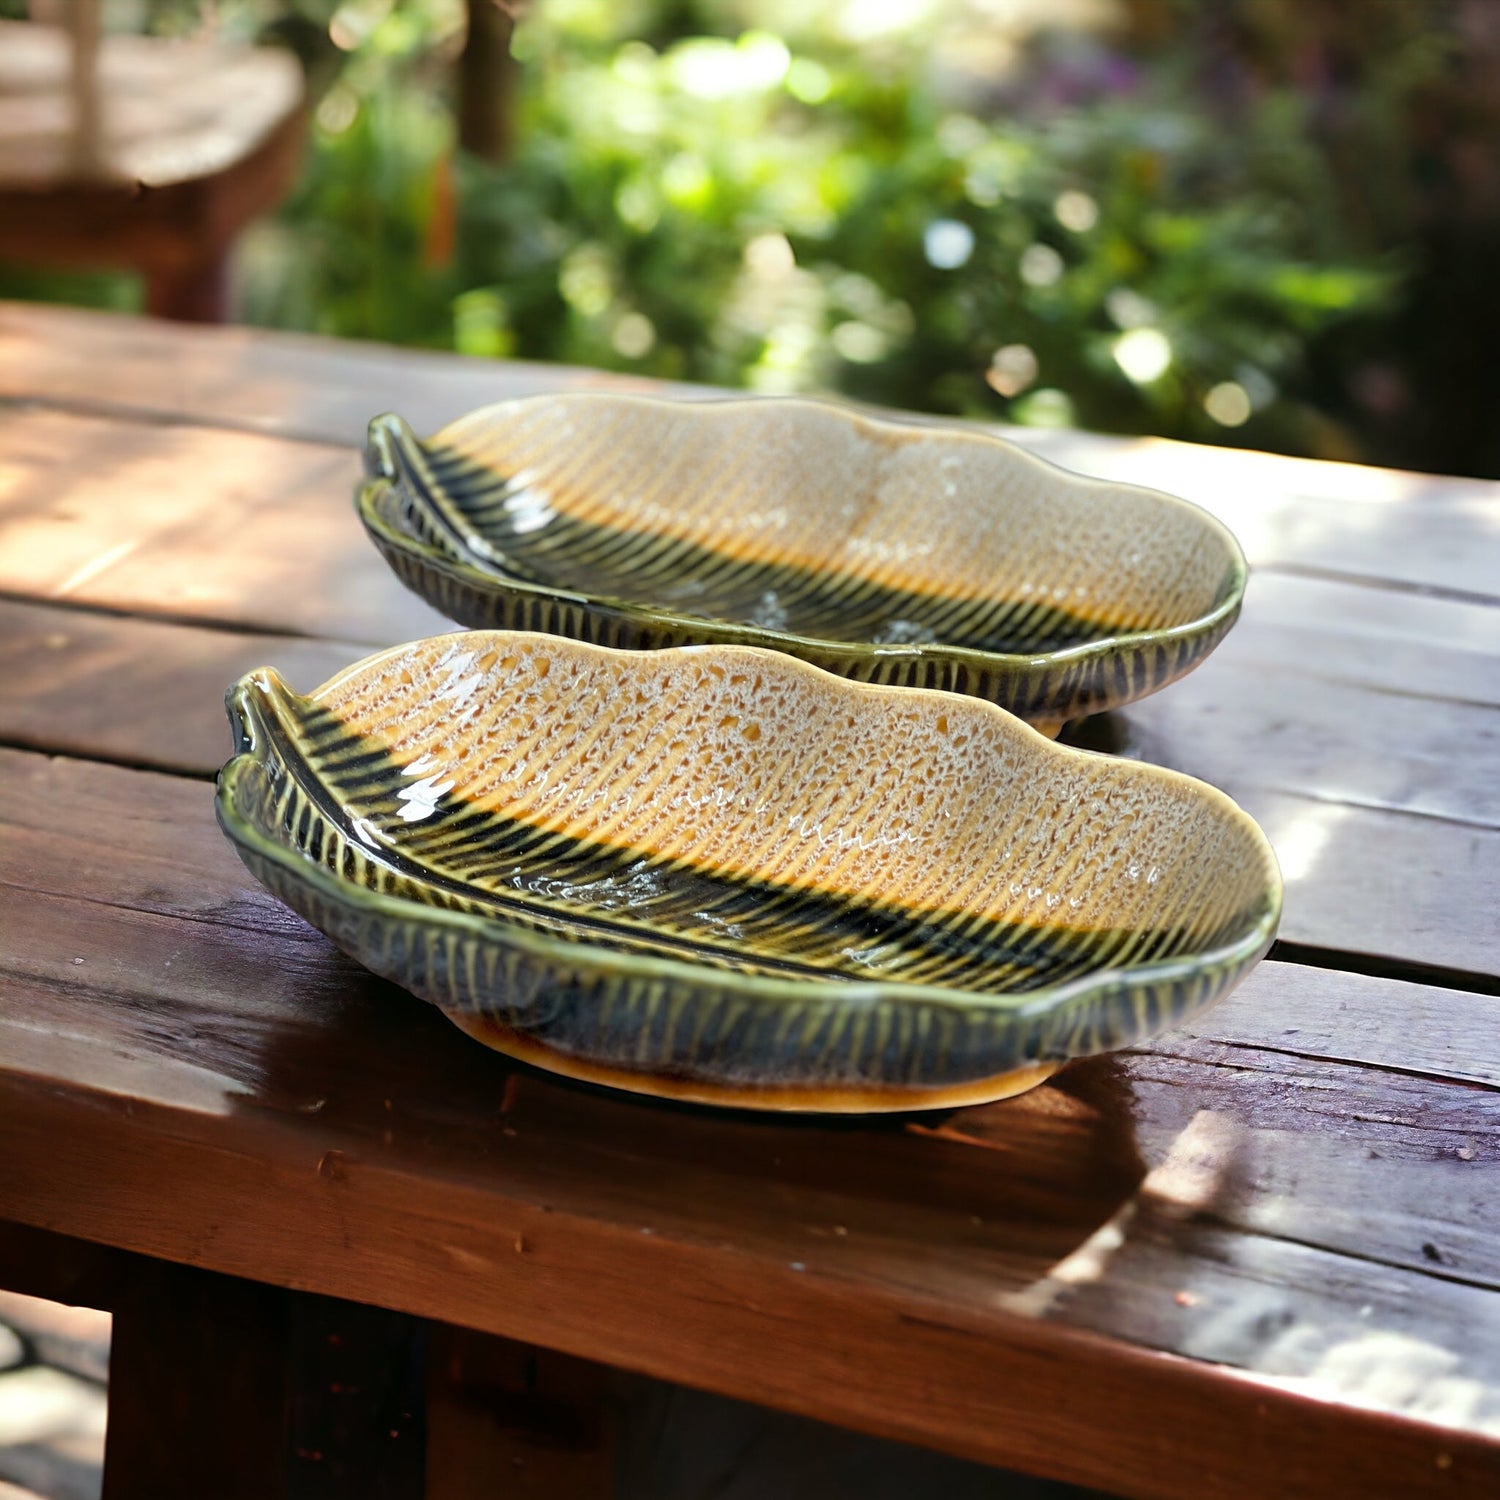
[(717, 873), (911, 556)]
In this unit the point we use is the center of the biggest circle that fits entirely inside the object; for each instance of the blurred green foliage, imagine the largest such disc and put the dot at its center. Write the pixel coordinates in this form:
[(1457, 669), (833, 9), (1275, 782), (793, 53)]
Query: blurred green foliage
[(923, 204)]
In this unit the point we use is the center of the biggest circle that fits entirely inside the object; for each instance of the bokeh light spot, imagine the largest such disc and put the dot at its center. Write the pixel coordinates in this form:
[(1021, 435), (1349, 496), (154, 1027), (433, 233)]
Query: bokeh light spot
[(1228, 403), (1041, 266), (1076, 211), (947, 243), (634, 336), (1012, 369), (1144, 354)]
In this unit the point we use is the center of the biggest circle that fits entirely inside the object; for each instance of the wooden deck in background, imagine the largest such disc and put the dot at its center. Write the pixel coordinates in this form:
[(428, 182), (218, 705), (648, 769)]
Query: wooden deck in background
[(1259, 1257)]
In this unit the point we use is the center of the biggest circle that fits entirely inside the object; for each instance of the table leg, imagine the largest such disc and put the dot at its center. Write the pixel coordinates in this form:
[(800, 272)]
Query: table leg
[(58, 1268), (195, 293), (230, 1388)]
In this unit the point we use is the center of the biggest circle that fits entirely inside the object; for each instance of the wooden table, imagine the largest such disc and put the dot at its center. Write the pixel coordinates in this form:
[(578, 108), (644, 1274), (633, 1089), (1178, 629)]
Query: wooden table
[(1258, 1257)]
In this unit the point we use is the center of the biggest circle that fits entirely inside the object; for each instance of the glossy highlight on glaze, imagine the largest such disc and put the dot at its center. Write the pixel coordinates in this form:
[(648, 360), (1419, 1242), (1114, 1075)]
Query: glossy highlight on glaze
[(891, 553), (718, 873)]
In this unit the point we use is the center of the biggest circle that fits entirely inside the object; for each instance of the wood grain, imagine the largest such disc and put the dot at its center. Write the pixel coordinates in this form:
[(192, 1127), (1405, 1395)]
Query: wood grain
[(231, 529), (1389, 839), (1375, 525), (1335, 1017), (1382, 883), (1304, 696), (281, 384), (1310, 516), (137, 691), (1309, 662), (259, 532), (1023, 1260)]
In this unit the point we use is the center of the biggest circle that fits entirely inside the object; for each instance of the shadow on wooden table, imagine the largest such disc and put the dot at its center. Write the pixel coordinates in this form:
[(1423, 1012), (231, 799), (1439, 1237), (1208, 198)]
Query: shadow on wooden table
[(977, 1204), (1021, 1183)]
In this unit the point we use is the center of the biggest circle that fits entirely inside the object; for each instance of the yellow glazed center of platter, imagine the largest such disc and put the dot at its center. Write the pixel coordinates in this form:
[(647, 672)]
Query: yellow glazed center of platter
[(748, 764), (929, 510)]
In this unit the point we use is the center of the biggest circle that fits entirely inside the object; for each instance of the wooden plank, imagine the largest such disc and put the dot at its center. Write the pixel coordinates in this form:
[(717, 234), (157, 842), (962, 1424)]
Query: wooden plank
[(1421, 646), (358, 1418), (1360, 729), (1372, 882), (186, 523), (1301, 1132), (758, 1327), (1414, 789), (1278, 1315), (1375, 524), (258, 532), (71, 830), (208, 535), (132, 690), (284, 384), (1304, 697), (1319, 1014), (1248, 1050), (1019, 1261), (1423, 531)]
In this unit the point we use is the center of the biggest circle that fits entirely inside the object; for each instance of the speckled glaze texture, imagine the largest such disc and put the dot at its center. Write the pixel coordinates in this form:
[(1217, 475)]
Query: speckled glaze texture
[(718, 873), (894, 554)]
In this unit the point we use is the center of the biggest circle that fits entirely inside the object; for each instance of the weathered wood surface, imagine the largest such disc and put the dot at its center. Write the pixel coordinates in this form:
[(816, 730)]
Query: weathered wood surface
[(283, 385), (1289, 1220), (219, 528), (1367, 525), (1389, 838), (133, 690), (1259, 1256)]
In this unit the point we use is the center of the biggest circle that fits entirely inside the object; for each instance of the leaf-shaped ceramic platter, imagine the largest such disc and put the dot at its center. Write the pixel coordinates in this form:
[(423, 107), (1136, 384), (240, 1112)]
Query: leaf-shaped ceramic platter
[(717, 873), (907, 555)]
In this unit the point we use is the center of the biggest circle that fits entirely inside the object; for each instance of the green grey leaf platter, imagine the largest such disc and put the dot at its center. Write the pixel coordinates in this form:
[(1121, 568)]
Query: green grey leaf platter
[(906, 555), (717, 873)]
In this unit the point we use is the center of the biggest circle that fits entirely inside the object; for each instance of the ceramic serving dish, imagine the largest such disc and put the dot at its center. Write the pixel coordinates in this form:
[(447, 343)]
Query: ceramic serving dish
[(899, 554), (717, 873)]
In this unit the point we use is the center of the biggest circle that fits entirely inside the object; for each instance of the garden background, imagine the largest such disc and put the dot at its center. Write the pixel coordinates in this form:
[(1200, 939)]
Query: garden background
[(1264, 222)]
